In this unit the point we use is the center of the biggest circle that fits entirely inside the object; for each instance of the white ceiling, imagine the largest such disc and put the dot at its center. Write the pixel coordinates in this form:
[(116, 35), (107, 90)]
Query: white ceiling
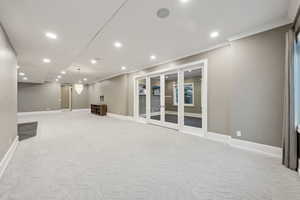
[(142, 33)]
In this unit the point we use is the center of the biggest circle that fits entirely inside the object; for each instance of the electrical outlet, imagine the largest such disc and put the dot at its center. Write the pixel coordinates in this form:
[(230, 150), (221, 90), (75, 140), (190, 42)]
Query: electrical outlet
[(239, 133)]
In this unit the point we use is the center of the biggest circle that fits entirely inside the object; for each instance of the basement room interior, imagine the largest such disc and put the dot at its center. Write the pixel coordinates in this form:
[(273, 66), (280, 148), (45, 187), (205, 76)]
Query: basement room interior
[(150, 99)]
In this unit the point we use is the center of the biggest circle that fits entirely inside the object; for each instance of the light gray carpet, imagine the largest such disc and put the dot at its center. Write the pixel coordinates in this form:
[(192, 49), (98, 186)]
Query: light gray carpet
[(81, 156)]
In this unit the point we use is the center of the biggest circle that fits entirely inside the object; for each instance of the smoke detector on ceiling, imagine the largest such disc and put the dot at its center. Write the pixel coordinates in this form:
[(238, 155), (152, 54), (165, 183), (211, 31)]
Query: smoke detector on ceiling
[(163, 13)]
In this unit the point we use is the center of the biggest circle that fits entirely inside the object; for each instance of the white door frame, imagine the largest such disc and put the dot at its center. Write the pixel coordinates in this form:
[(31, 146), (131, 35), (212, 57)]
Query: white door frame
[(180, 69), (189, 129), (136, 100), (148, 105), (163, 100)]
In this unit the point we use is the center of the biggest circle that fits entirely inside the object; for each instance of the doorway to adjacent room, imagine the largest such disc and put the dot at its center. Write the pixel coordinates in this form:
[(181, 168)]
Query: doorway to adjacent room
[(66, 97), (174, 98)]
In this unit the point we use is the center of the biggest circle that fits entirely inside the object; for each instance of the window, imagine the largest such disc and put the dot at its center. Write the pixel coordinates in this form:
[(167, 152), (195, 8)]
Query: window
[(188, 94)]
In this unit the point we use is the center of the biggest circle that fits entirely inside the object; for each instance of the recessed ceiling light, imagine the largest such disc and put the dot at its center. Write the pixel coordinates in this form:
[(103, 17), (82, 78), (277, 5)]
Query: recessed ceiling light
[(214, 34), (93, 61), (63, 72), (85, 79), (46, 60), (59, 76), (51, 35), (22, 74), (56, 80), (25, 78), (18, 67), (153, 57), (118, 44), (184, 1), (123, 68)]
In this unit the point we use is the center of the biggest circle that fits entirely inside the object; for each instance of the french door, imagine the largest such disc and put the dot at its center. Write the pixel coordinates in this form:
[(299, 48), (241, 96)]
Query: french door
[(163, 111), (174, 98)]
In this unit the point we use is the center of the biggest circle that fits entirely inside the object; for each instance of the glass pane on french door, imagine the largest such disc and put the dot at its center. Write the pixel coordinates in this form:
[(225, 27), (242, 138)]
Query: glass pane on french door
[(193, 98), (155, 104), (142, 98), (171, 98)]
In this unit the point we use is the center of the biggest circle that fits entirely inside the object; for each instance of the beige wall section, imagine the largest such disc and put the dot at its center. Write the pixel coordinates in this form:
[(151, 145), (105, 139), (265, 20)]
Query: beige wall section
[(80, 101), (115, 94), (8, 98), (257, 87), (42, 97), (38, 97)]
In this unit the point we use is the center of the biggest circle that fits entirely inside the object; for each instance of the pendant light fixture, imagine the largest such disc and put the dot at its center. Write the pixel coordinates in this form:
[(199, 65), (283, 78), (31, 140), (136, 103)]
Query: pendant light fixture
[(78, 86)]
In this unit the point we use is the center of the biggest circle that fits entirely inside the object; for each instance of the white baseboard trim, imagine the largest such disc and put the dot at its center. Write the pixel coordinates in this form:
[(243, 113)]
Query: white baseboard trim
[(118, 116), (233, 142), (256, 147), (8, 156), (218, 137), (82, 110), (51, 112), (245, 145), (39, 112), (192, 133)]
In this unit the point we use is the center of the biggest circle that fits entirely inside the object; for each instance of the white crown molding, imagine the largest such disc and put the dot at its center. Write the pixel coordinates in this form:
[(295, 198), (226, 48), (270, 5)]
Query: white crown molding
[(110, 77), (224, 44), (8, 156), (261, 29)]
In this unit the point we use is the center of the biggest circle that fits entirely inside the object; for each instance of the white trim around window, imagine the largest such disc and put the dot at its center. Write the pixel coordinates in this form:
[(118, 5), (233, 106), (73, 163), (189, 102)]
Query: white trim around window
[(175, 101)]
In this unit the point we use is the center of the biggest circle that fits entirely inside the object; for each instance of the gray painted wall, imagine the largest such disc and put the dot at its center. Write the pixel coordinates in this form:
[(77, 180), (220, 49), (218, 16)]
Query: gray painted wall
[(257, 87), (38, 97), (42, 97), (245, 87), (80, 101), (115, 94), (8, 98)]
